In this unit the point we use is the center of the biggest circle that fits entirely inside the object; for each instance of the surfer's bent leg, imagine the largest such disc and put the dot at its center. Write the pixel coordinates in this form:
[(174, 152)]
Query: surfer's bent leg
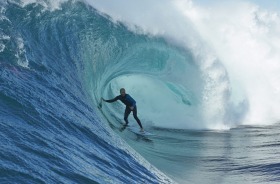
[(126, 113), (136, 118)]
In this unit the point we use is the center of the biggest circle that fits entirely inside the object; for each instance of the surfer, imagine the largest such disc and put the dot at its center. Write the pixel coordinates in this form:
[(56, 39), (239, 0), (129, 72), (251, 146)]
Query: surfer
[(130, 106)]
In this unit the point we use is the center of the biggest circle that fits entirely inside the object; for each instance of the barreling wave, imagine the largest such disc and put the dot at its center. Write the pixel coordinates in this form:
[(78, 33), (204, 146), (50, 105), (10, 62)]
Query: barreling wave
[(51, 130), (209, 63), (58, 58)]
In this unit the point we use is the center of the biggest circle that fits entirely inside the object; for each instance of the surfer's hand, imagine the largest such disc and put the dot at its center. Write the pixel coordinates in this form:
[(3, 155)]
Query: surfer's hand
[(131, 108), (102, 99)]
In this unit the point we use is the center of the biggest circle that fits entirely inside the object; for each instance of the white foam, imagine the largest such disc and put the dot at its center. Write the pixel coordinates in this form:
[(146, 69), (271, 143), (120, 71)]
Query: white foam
[(21, 53), (48, 5), (245, 42)]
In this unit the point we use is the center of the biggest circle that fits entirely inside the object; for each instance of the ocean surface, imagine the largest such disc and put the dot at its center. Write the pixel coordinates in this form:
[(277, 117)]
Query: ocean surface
[(205, 75)]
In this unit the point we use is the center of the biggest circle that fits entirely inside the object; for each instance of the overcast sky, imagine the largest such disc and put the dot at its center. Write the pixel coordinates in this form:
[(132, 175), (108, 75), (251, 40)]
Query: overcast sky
[(267, 4)]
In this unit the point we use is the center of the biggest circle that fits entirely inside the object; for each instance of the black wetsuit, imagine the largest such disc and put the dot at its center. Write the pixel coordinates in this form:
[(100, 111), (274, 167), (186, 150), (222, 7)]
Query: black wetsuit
[(129, 102)]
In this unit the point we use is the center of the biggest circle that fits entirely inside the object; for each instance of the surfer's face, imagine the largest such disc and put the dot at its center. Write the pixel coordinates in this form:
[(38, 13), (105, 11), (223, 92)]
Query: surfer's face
[(123, 92)]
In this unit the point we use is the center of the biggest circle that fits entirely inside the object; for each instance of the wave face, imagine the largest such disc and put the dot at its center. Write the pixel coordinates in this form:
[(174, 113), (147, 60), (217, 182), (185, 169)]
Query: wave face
[(50, 129), (58, 58)]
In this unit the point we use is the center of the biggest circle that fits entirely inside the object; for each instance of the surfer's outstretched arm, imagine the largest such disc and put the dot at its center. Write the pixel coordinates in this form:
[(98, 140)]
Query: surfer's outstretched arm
[(111, 100)]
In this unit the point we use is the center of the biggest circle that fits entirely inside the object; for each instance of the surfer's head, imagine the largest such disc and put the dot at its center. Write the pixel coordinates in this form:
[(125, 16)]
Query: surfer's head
[(122, 91)]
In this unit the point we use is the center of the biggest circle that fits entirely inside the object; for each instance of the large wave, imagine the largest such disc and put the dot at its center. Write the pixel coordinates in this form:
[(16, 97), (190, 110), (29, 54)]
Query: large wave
[(221, 66), (51, 130), (188, 66)]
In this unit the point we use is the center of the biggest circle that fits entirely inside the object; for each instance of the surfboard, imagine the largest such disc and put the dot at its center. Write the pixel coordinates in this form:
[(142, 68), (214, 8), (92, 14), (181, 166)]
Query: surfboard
[(138, 132)]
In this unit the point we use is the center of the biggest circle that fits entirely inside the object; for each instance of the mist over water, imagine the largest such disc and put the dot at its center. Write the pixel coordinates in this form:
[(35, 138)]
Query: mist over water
[(244, 41)]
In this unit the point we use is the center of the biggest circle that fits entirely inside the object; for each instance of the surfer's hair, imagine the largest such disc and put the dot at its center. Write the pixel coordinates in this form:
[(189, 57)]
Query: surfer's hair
[(122, 89)]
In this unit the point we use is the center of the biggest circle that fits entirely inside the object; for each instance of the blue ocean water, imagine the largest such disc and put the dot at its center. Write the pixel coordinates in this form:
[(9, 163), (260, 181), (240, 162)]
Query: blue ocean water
[(56, 62)]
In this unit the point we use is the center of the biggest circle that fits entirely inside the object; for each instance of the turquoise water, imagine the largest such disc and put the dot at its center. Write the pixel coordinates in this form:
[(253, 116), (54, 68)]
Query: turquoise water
[(57, 59)]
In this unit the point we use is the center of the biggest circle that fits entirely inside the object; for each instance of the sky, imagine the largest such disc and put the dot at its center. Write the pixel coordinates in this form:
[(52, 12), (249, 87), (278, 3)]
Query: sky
[(267, 4)]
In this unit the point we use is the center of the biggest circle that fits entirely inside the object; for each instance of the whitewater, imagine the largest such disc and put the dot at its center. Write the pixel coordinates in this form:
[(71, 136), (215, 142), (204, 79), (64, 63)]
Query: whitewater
[(205, 75)]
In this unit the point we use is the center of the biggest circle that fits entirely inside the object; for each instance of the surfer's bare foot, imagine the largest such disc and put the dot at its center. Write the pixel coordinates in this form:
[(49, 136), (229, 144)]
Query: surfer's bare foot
[(142, 130)]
